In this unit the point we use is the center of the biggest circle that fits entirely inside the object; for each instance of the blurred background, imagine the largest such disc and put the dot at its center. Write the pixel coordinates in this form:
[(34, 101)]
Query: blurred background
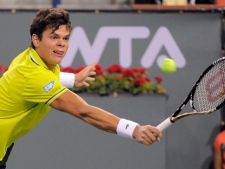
[(131, 33)]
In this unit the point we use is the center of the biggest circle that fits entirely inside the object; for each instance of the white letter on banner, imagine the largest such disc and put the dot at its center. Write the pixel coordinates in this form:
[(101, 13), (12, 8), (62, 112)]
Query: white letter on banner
[(125, 34), (162, 38)]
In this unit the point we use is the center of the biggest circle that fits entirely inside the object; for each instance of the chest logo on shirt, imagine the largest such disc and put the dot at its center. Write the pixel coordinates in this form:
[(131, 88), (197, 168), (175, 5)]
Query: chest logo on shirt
[(49, 86)]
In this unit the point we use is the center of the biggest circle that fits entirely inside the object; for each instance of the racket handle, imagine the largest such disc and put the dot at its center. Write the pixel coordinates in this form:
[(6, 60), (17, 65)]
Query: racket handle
[(164, 125)]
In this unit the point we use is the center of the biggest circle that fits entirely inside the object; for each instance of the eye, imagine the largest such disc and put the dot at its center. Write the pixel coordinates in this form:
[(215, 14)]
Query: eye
[(54, 37), (66, 39)]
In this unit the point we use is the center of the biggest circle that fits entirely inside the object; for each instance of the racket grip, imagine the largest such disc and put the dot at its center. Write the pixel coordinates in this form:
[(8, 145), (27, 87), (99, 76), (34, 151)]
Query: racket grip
[(164, 125)]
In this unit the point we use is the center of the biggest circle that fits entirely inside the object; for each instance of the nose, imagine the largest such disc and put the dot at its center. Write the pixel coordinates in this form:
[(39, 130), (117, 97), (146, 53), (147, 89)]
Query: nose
[(61, 43)]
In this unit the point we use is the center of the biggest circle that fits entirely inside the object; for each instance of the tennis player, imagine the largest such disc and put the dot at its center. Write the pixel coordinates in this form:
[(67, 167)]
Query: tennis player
[(33, 84)]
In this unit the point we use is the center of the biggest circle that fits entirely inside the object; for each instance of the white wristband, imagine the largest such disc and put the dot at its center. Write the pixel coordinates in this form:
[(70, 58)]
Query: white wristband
[(67, 79), (126, 128)]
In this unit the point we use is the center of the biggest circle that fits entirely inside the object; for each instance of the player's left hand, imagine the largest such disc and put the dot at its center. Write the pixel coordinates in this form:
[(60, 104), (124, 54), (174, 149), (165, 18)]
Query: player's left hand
[(85, 75)]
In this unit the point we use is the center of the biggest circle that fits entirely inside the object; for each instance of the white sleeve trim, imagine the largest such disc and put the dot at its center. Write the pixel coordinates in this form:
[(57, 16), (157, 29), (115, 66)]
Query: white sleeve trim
[(67, 79)]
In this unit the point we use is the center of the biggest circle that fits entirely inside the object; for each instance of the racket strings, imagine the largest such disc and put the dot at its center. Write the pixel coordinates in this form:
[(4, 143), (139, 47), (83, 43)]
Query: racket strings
[(210, 91)]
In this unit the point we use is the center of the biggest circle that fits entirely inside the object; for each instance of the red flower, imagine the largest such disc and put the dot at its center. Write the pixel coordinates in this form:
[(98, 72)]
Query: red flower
[(6, 68), (99, 70), (68, 69), (1, 68), (115, 68), (159, 79), (141, 71), (129, 72), (148, 79), (134, 72), (139, 81), (98, 66)]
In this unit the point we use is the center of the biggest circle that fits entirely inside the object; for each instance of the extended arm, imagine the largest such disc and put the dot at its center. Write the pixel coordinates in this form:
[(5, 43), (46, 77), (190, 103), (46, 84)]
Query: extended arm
[(76, 106), (217, 158)]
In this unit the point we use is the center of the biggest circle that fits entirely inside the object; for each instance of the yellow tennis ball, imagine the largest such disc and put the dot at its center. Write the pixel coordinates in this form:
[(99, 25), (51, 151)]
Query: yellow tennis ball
[(168, 66)]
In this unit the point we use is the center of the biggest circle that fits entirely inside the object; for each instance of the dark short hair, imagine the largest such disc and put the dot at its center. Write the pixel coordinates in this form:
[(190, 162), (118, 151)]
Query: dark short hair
[(49, 18)]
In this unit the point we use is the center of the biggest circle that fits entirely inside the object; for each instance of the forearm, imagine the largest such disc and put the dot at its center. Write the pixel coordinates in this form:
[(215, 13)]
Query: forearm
[(217, 159), (73, 104), (100, 118)]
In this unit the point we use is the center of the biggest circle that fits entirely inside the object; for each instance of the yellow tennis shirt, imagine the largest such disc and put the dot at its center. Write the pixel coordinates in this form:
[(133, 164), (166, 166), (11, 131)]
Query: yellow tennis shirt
[(26, 90)]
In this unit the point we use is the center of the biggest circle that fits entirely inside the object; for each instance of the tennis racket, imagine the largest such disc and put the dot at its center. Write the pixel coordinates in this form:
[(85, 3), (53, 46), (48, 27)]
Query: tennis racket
[(207, 95)]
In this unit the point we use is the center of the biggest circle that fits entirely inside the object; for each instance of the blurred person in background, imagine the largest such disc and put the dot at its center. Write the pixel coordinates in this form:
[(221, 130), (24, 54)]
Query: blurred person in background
[(219, 149), (159, 2)]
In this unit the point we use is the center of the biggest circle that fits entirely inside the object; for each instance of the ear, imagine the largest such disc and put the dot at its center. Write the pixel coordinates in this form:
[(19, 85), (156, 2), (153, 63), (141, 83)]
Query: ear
[(35, 40)]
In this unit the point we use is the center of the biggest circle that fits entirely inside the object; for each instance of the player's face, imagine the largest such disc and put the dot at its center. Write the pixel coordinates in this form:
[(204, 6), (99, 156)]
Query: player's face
[(53, 46)]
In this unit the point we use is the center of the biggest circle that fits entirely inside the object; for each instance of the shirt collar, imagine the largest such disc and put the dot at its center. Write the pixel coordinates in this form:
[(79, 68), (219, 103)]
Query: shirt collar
[(36, 58)]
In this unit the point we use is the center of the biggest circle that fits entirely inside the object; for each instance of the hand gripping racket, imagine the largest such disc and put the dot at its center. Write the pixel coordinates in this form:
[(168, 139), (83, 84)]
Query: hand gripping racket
[(207, 95)]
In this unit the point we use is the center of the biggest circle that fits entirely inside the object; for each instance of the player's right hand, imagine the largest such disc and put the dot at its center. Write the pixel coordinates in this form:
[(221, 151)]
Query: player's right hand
[(147, 134)]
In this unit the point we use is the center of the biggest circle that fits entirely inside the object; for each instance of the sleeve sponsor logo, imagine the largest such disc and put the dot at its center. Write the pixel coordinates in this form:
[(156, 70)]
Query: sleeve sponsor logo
[(49, 86)]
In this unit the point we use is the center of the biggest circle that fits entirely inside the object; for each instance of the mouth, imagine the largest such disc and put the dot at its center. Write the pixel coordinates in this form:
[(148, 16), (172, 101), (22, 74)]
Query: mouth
[(59, 53)]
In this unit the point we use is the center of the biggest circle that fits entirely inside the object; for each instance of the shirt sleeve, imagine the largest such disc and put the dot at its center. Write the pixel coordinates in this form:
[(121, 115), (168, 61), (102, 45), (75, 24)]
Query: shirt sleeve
[(43, 86)]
